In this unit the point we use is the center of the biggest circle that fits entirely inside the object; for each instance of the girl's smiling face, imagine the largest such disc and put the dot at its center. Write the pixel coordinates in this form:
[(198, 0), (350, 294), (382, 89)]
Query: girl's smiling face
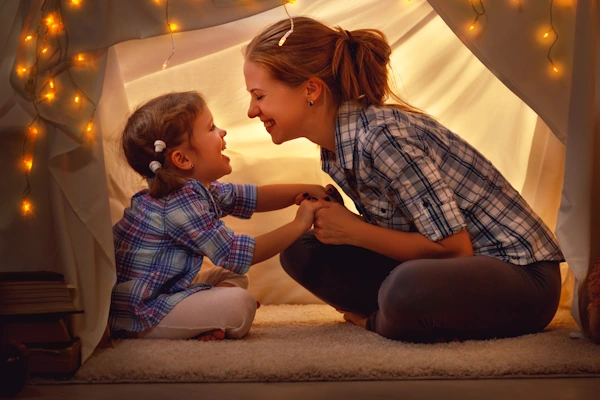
[(206, 146), (281, 108)]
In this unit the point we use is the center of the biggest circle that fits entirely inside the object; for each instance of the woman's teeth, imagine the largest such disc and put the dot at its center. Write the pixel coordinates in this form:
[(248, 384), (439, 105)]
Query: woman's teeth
[(269, 123)]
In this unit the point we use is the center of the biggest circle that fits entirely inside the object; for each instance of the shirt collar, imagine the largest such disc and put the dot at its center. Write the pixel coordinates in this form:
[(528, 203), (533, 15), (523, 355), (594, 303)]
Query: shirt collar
[(346, 128)]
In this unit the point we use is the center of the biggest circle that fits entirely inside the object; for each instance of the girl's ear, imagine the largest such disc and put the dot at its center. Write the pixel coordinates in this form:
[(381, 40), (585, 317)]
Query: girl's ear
[(313, 89), (180, 160)]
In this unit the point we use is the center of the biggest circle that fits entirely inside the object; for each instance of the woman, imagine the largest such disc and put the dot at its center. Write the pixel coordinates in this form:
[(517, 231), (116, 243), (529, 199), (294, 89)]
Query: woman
[(444, 248)]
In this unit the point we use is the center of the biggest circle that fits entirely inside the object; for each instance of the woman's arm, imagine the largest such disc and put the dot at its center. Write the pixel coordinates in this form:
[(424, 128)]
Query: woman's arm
[(336, 225), (276, 197)]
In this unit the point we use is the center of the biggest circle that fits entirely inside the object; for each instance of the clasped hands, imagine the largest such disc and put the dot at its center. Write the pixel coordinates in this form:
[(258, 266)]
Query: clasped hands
[(333, 222)]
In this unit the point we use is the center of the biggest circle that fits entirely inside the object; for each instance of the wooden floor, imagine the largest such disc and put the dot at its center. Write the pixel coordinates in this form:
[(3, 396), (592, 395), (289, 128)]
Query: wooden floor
[(587, 388)]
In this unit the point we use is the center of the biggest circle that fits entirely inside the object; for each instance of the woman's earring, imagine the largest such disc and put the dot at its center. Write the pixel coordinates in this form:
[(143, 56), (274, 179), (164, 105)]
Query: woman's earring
[(191, 165), (310, 103)]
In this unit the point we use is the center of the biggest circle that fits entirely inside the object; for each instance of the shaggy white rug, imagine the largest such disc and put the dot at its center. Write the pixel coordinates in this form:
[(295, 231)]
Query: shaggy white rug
[(312, 342)]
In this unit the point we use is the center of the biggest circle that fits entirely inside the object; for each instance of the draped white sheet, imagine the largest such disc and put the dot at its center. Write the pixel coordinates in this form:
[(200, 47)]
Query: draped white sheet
[(433, 70)]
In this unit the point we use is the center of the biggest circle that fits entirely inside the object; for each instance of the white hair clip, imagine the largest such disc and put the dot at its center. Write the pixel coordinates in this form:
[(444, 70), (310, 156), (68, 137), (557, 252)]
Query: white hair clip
[(155, 166), (159, 146)]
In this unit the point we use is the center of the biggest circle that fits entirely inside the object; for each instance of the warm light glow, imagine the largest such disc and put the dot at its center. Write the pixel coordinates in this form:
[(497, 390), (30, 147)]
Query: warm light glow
[(26, 207), (45, 49), (555, 69), (164, 65), (76, 99), (51, 83), (546, 35), (49, 96), (28, 163), (75, 2), (472, 27), (173, 27), (28, 38), (80, 57), (89, 126), (21, 71), (34, 131), (294, 1)]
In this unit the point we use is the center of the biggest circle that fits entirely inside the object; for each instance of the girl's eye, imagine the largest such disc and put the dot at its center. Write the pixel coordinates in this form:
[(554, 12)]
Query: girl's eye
[(212, 128), (258, 97)]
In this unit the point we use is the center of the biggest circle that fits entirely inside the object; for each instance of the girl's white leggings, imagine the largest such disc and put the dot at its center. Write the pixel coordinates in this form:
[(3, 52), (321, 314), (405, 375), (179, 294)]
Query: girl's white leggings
[(230, 309)]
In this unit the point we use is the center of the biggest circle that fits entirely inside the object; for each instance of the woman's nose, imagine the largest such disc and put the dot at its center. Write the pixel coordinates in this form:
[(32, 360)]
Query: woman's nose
[(252, 111)]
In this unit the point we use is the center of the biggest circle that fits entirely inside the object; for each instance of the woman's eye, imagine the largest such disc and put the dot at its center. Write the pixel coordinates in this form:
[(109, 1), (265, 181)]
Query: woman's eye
[(212, 128), (259, 97)]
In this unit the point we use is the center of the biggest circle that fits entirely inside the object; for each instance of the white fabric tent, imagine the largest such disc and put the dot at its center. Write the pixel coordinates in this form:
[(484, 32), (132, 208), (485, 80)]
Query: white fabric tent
[(79, 187)]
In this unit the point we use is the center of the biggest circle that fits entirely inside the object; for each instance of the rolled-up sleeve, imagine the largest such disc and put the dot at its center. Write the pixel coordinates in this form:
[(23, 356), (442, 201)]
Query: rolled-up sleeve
[(412, 180), (196, 227), (235, 199)]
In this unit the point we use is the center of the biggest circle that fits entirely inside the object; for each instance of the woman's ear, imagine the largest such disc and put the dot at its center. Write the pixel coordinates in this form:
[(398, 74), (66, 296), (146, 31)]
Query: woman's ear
[(313, 89), (180, 160)]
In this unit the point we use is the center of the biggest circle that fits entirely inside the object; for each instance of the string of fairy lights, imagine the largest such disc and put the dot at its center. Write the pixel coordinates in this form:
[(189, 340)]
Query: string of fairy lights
[(479, 9), (50, 60)]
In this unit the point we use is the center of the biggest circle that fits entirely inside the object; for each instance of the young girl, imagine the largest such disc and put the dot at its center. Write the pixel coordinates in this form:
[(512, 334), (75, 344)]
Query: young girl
[(445, 247), (170, 230)]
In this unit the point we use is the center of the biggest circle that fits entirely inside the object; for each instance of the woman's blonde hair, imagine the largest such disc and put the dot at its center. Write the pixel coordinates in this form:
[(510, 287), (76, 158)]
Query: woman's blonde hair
[(169, 118), (353, 65)]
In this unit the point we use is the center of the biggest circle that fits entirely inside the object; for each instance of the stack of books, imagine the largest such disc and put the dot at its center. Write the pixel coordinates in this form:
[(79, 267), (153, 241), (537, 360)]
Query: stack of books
[(34, 311)]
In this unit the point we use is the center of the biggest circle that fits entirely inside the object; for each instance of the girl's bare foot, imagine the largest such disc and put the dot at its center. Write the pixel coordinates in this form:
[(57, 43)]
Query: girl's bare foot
[(356, 319), (215, 334)]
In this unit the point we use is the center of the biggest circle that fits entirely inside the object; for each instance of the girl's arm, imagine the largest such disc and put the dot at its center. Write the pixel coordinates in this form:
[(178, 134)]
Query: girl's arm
[(336, 225), (276, 197)]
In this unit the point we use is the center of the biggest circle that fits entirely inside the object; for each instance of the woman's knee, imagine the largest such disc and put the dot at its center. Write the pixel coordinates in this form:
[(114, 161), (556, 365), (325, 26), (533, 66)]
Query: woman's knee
[(297, 260)]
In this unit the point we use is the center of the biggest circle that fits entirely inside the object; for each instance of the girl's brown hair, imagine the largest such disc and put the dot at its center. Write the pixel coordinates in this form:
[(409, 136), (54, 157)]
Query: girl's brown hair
[(169, 118), (352, 64)]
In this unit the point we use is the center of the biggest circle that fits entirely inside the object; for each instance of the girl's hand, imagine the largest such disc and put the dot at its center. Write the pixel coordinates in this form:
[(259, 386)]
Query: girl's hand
[(306, 212), (327, 193), (334, 224)]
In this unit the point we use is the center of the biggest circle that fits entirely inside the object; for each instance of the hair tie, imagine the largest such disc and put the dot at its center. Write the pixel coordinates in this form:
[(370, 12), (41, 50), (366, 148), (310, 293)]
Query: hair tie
[(155, 166), (159, 146)]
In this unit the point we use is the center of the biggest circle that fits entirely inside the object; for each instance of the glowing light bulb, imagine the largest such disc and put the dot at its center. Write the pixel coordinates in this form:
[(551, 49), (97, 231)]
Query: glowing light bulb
[(34, 131), (164, 65), (80, 57), (555, 69), (294, 1), (21, 71), (75, 2), (51, 84), (49, 96), (28, 38), (89, 126), (546, 35), (472, 27), (28, 163), (45, 49), (26, 207), (50, 20), (173, 27), (76, 99)]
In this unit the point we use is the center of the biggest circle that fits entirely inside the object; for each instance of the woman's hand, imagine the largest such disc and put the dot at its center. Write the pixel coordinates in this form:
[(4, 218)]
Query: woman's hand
[(334, 224), (327, 193)]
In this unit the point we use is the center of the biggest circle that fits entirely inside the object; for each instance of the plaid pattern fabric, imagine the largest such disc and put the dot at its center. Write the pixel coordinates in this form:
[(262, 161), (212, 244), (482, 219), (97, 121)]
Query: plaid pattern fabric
[(160, 245), (407, 172)]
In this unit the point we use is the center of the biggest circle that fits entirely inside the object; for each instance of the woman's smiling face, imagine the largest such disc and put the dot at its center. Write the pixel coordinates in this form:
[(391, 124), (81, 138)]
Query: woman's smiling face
[(281, 108)]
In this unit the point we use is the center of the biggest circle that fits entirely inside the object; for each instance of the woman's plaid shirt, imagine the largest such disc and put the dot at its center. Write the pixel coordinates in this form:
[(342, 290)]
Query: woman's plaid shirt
[(160, 245), (407, 172)]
